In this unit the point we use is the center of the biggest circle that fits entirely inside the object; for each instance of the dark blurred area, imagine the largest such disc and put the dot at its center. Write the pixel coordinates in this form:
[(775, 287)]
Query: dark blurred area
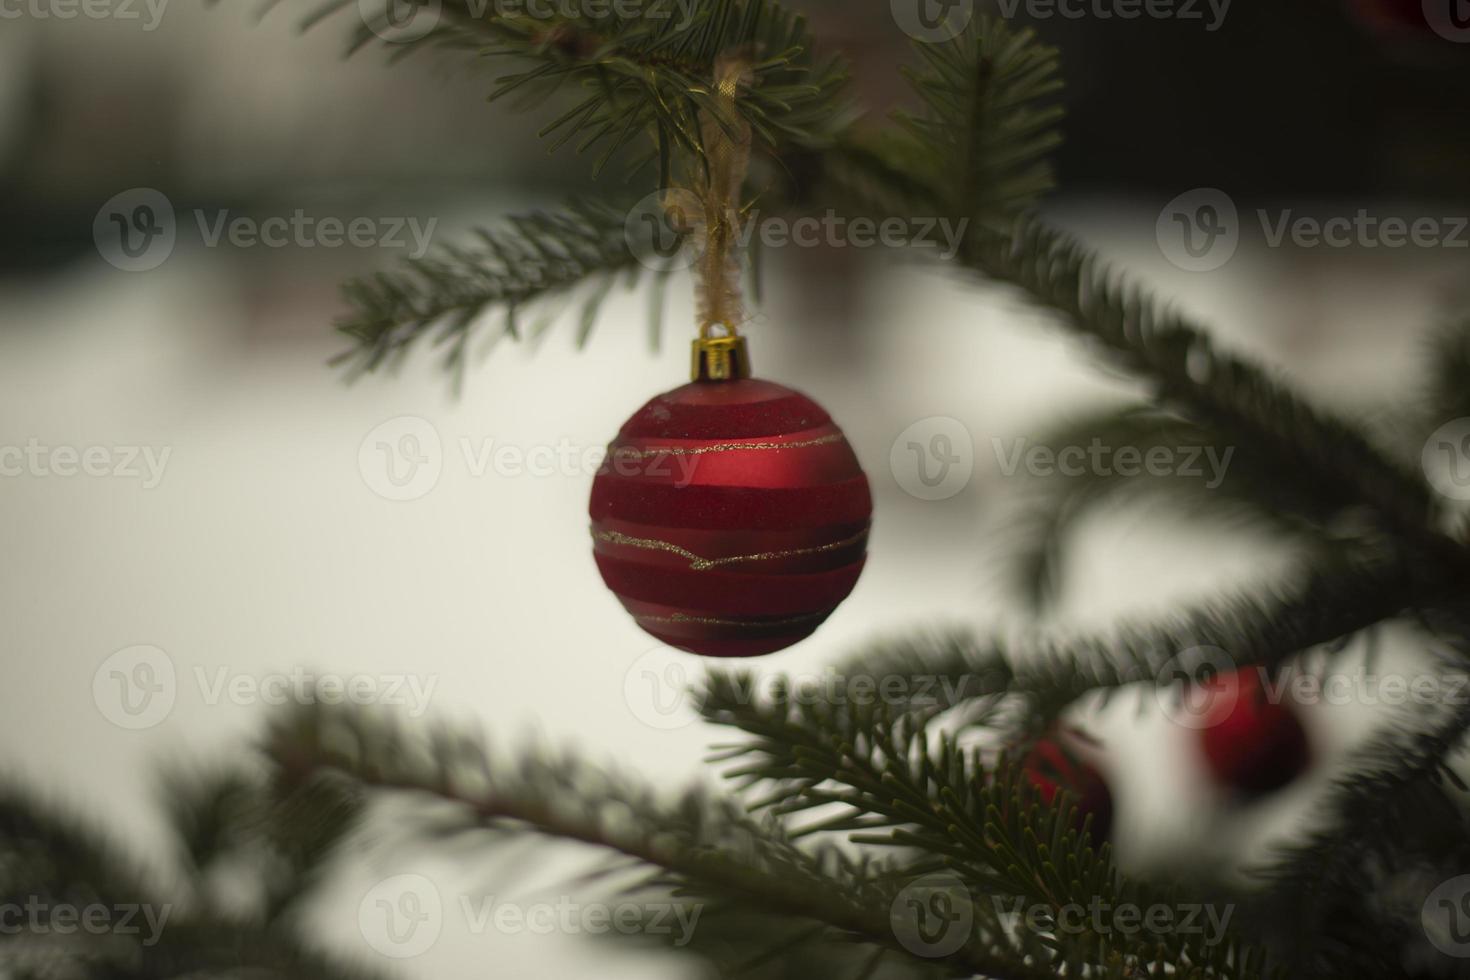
[(1329, 98)]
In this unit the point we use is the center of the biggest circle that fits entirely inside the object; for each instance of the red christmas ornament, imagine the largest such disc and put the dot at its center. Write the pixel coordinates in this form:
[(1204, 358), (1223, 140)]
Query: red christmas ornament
[(731, 515), (1250, 743), (1053, 767)]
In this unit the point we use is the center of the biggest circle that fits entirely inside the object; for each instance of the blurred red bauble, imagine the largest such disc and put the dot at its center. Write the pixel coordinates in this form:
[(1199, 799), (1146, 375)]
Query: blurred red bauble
[(1394, 15), (1052, 766), (731, 516), (1250, 743)]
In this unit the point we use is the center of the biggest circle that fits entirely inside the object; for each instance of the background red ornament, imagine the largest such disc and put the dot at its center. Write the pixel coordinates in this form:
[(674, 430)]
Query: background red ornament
[(1250, 743), (1053, 766), (730, 517)]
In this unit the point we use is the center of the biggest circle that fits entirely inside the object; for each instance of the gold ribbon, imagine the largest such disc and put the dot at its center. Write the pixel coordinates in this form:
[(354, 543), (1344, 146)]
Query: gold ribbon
[(709, 204)]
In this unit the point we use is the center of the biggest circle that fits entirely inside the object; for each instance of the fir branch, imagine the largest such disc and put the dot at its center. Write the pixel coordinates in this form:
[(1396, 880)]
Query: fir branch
[(642, 67), (535, 257), (982, 141), (1448, 364), (1388, 815), (700, 846), (1317, 604), (1226, 489), (1333, 461), (895, 782)]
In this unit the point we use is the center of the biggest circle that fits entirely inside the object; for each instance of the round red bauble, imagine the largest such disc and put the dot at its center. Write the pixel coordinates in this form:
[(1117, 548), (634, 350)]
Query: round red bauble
[(1251, 744), (730, 517), (1053, 767)]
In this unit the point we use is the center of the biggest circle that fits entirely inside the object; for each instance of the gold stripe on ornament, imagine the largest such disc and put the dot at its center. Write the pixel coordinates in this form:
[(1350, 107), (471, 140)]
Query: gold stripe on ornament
[(726, 447), (711, 621), (698, 564)]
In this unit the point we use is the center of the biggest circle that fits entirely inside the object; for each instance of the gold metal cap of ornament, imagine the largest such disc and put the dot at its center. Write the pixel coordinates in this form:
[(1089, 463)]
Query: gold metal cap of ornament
[(720, 359)]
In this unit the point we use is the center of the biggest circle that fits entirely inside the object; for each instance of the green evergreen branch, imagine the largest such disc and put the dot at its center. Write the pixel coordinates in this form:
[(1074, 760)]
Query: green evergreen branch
[(1388, 815), (890, 772), (700, 846), (1319, 604), (642, 67), (1229, 491), (535, 257), (984, 139)]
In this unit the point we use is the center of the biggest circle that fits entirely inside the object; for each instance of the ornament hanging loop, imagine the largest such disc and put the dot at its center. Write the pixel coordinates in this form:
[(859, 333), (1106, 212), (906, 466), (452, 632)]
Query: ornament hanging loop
[(720, 359), (720, 353)]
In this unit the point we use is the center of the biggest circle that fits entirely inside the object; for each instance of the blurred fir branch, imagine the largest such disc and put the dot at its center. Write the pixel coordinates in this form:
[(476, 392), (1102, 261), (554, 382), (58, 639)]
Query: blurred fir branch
[(698, 847), (643, 67), (535, 257), (983, 139), (1213, 483), (889, 780)]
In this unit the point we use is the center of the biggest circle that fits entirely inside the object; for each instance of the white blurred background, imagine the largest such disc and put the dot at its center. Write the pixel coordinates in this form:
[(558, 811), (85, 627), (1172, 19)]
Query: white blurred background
[(265, 547)]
